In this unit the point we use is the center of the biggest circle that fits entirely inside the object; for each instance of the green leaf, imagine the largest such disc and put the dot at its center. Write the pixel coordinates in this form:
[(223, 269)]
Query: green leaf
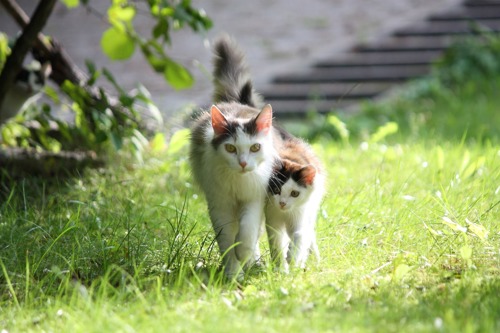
[(52, 94), (162, 11), (161, 29), (432, 231), (117, 141), (473, 167), (400, 271), (178, 76), (145, 96), (157, 63), (119, 13), (466, 252), (440, 158), (109, 76), (71, 3), (384, 131), (158, 143), (477, 230), (453, 225), (4, 49), (117, 45), (339, 126), (179, 140)]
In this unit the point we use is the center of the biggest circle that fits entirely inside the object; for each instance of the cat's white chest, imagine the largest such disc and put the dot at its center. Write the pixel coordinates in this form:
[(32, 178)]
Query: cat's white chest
[(244, 186)]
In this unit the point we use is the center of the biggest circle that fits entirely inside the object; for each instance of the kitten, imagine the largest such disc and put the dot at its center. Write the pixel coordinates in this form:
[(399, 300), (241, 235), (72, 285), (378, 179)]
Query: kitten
[(295, 189), (232, 156)]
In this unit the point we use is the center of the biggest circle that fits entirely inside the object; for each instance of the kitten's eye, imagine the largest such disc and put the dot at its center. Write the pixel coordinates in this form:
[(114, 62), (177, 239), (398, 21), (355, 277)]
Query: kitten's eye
[(255, 148), (295, 194), (230, 148)]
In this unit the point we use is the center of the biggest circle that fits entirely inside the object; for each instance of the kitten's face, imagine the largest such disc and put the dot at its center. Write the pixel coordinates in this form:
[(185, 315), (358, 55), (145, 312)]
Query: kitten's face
[(243, 144), (291, 185)]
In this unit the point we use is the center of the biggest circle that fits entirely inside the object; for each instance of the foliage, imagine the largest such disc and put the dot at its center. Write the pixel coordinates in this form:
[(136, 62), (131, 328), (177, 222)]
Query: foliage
[(97, 125), (474, 57), (121, 39), (4, 49), (103, 123)]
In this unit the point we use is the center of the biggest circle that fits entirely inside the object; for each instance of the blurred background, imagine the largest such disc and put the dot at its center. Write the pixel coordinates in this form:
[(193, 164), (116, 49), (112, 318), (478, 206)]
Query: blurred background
[(277, 36)]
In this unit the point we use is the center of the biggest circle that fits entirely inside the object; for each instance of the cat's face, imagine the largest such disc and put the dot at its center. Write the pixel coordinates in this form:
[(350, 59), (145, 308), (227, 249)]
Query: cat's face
[(291, 185), (243, 144)]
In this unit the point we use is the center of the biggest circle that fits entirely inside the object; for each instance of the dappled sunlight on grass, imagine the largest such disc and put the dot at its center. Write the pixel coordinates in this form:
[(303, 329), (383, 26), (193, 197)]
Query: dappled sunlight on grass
[(408, 234)]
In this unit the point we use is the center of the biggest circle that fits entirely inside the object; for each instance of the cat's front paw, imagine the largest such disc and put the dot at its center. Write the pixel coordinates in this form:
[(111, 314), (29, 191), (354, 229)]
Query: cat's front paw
[(245, 254), (238, 276)]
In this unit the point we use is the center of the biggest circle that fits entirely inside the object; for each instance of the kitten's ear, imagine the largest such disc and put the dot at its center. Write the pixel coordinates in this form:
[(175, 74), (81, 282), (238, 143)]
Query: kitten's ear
[(307, 174), (219, 122), (264, 119)]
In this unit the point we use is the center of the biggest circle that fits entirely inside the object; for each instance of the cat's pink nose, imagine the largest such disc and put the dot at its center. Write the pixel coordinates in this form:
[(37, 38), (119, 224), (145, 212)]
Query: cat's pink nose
[(282, 204), (243, 164)]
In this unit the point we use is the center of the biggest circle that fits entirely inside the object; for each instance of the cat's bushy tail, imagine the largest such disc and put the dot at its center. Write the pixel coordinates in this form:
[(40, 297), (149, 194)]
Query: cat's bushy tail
[(231, 78)]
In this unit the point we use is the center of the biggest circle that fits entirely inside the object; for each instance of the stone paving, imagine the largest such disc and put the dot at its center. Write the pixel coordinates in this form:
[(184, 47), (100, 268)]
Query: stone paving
[(370, 69)]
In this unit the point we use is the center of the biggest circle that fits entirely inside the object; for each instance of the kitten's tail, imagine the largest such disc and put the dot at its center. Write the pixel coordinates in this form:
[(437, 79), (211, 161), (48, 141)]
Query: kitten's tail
[(231, 79)]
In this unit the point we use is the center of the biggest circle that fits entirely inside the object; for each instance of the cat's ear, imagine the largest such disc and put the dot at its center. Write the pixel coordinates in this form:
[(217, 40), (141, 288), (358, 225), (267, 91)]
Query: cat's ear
[(307, 174), (219, 122), (264, 119)]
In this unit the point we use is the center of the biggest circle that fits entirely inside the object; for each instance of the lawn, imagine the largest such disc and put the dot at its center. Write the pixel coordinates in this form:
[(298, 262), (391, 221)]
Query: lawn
[(409, 234)]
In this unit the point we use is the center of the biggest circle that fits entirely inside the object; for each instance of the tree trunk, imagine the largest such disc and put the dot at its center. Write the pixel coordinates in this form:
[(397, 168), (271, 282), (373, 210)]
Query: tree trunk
[(23, 44)]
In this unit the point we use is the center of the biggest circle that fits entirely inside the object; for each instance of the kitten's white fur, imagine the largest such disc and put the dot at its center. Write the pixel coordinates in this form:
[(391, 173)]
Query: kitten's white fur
[(290, 222)]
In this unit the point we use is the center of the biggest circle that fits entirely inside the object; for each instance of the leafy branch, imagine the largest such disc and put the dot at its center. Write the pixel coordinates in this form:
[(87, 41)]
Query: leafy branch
[(102, 119)]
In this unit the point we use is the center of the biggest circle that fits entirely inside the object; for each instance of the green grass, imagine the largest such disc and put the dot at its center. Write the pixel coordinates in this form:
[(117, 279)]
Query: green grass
[(409, 236)]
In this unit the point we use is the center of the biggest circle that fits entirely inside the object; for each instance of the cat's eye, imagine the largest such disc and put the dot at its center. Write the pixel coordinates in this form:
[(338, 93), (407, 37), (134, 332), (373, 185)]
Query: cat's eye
[(295, 194), (230, 148), (255, 147)]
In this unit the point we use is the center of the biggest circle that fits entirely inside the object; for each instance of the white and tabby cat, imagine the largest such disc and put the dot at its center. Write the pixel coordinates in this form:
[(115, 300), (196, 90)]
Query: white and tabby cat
[(232, 156), (296, 189)]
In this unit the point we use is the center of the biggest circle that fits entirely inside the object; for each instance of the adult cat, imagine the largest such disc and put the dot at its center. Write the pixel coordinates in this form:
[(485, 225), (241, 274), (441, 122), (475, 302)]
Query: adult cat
[(232, 156)]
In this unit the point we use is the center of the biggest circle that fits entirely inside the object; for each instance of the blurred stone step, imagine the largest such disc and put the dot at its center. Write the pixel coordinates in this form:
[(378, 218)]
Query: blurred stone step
[(357, 74), (468, 13), (326, 91), (395, 58), (290, 109), (481, 3), (439, 28), (413, 44)]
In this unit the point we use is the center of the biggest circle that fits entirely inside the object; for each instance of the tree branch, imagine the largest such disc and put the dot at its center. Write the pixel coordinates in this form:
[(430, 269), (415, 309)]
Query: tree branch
[(23, 44), (20, 162), (63, 67)]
